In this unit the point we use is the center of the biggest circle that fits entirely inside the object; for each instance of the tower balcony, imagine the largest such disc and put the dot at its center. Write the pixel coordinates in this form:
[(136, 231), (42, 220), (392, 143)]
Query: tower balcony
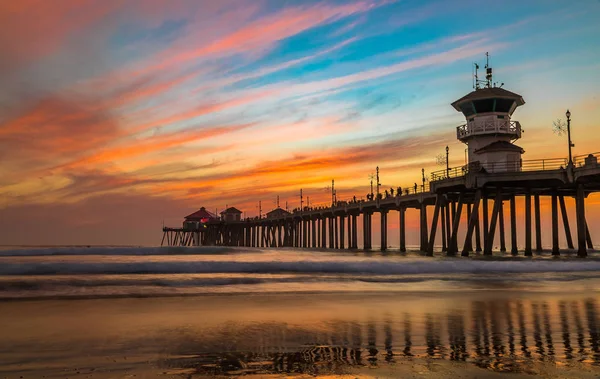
[(489, 126)]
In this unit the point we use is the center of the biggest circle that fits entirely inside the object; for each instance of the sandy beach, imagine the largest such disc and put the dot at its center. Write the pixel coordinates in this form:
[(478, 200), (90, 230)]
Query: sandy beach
[(480, 335)]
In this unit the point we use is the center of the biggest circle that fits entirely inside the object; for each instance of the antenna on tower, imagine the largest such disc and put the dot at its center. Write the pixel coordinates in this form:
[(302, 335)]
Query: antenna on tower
[(475, 78), (488, 71)]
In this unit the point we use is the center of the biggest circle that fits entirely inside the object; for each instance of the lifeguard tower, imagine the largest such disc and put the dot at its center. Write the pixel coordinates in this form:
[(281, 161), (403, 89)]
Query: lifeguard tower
[(489, 132)]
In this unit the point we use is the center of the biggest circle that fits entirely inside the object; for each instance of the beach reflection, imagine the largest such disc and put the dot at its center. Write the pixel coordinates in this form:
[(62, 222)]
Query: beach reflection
[(497, 335)]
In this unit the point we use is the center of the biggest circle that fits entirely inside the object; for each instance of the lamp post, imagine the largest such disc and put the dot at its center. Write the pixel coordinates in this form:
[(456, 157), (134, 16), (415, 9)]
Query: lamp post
[(447, 164), (378, 184), (333, 199), (423, 180), (568, 114)]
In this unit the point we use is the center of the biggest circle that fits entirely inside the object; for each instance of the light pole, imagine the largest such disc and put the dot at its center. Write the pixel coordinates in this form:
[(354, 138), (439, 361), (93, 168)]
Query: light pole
[(332, 192), (447, 164), (423, 179), (378, 184), (568, 114)]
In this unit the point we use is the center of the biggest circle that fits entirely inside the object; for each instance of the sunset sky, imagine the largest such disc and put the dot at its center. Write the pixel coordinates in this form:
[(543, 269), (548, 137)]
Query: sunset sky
[(117, 116)]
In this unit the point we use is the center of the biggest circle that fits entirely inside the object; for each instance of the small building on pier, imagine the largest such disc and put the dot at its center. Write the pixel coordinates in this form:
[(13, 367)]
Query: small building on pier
[(277, 213), (201, 216), (231, 214)]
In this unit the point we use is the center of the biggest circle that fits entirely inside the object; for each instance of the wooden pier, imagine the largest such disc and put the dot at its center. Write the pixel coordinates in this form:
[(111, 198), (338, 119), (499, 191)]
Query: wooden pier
[(496, 174), (481, 195)]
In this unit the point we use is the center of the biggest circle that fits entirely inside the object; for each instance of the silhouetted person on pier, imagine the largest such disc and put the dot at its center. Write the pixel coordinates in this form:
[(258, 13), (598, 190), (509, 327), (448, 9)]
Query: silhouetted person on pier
[(416, 187), (399, 191), (392, 192)]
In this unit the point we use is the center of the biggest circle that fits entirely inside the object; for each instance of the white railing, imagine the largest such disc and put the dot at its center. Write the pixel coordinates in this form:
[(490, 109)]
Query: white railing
[(499, 126)]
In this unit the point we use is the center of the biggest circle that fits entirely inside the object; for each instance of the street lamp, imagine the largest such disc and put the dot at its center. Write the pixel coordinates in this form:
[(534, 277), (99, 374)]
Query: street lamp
[(378, 184), (423, 179), (447, 164), (568, 114)]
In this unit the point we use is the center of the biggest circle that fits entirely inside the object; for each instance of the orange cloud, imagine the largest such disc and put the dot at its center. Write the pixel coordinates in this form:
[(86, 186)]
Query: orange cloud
[(156, 143)]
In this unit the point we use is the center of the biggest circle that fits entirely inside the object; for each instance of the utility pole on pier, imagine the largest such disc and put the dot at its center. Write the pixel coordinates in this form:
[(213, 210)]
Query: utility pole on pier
[(371, 176), (259, 209), (423, 180), (301, 200)]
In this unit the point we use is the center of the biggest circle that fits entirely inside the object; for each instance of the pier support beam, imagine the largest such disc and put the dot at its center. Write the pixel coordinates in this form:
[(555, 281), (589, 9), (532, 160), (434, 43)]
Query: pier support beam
[(555, 247), (383, 228), (501, 222), (487, 250), (331, 232), (477, 232), (453, 244), (342, 219), (323, 232), (448, 230), (581, 223), (402, 226), (514, 250), (538, 224), (565, 218), (336, 233), (588, 236), (486, 220), (443, 225), (436, 213), (468, 242), (313, 232), (528, 251), (423, 229), (367, 230), (354, 232), (350, 236), (473, 221)]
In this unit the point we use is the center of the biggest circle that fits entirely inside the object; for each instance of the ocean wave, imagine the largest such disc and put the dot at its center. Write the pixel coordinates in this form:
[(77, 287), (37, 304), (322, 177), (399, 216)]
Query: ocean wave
[(375, 267)]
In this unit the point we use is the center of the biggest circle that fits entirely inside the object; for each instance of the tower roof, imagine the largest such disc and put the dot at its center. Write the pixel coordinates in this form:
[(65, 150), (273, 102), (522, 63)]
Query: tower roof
[(500, 146), (200, 214), (233, 210), (486, 93)]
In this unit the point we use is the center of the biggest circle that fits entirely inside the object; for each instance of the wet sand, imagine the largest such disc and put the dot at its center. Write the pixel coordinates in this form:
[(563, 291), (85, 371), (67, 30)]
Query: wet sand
[(425, 335)]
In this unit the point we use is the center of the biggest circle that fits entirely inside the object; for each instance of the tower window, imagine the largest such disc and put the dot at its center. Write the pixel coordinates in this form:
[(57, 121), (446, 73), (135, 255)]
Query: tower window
[(484, 106), (504, 105), (467, 109)]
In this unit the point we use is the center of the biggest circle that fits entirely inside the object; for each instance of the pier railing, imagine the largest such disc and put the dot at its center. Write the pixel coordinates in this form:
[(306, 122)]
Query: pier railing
[(500, 167), (582, 160)]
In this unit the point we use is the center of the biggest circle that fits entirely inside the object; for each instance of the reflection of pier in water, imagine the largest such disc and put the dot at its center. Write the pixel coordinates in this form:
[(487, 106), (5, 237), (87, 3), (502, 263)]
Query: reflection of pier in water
[(503, 336)]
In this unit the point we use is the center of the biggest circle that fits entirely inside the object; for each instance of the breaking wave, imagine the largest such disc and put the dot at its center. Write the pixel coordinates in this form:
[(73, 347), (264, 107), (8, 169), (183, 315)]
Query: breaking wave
[(375, 267)]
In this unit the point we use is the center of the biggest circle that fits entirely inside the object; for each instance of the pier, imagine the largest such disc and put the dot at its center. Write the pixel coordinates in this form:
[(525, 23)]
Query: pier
[(496, 174)]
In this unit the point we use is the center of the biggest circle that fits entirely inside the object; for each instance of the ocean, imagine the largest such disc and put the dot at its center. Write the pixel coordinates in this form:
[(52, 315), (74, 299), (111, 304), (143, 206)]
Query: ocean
[(223, 312)]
